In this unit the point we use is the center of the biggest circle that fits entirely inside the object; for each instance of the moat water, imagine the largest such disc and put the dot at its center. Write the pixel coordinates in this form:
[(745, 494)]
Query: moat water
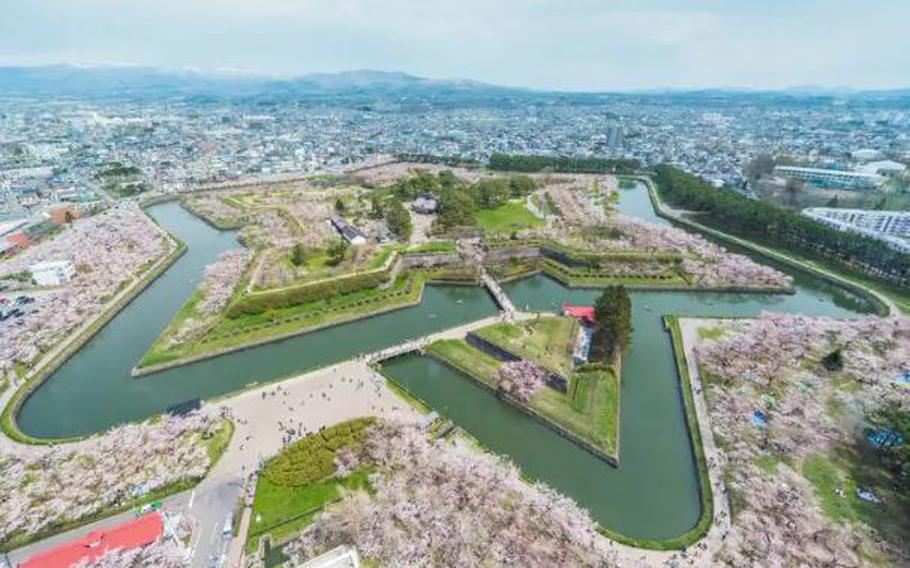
[(652, 494)]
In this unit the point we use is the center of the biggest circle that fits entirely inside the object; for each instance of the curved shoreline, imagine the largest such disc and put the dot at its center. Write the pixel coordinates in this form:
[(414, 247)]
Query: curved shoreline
[(690, 409), (36, 378), (139, 372)]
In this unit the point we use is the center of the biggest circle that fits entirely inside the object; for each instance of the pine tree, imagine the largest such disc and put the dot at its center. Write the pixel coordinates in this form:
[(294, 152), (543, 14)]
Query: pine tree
[(613, 311)]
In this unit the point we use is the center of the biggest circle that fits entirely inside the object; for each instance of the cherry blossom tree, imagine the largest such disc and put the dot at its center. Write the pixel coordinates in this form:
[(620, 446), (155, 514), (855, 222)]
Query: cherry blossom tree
[(442, 503), (41, 487), (521, 379)]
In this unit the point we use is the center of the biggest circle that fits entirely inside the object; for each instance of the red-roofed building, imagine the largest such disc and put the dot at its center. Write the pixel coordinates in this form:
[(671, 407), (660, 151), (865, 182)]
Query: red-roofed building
[(132, 534), (584, 313)]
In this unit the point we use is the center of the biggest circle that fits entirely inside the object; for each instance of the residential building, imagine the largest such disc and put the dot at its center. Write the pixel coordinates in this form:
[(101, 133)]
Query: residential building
[(348, 232), (7, 248), (61, 214), (821, 177), (892, 227), (887, 168)]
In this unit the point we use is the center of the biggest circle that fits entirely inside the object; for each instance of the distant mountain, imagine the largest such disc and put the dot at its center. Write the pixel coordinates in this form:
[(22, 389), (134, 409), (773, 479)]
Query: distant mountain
[(125, 81), (118, 81), (62, 81)]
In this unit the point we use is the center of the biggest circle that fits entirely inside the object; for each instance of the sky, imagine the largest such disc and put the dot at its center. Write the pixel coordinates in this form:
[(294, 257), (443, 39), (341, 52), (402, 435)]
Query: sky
[(572, 45)]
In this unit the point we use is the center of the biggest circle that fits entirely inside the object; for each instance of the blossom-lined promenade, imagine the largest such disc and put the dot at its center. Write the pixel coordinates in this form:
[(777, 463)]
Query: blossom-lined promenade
[(108, 251)]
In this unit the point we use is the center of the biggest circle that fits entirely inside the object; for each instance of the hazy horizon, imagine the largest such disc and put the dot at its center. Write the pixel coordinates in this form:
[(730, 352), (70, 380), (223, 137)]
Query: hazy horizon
[(584, 45)]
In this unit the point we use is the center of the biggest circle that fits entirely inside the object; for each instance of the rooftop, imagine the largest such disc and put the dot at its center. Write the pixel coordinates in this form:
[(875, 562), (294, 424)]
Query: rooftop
[(132, 534)]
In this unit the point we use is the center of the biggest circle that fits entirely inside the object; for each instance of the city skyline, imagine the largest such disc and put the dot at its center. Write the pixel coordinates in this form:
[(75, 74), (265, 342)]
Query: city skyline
[(627, 46)]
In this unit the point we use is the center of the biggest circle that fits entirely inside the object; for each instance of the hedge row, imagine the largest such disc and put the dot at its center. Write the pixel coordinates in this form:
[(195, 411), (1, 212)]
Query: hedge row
[(594, 273), (558, 251), (336, 306), (312, 458), (275, 300)]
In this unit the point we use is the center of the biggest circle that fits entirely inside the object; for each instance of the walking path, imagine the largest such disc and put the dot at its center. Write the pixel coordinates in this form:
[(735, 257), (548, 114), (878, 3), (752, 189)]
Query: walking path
[(665, 210), (501, 298), (77, 337), (266, 420), (451, 333)]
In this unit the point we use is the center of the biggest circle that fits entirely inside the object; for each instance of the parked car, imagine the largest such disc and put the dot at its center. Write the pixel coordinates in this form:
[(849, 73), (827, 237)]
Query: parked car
[(227, 531)]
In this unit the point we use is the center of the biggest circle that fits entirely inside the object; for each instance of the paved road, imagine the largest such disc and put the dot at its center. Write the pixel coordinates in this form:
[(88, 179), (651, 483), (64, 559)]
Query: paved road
[(266, 419)]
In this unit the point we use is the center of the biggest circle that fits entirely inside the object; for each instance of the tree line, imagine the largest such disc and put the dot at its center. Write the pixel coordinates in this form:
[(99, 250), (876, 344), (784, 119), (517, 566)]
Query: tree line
[(613, 326), (451, 161), (776, 226), (459, 199), (562, 164)]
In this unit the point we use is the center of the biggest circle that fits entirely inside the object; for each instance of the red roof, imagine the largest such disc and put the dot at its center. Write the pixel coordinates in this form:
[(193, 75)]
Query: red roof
[(132, 534), (582, 312)]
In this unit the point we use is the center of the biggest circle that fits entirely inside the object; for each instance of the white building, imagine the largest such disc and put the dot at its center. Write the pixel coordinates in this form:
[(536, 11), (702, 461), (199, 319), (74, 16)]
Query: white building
[(53, 273), (340, 557), (866, 155), (831, 178), (425, 204), (348, 232), (888, 168), (892, 227)]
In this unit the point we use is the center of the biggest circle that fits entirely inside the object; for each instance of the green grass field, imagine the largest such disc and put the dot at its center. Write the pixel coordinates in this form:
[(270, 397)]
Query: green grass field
[(590, 410), (433, 247), (231, 332), (546, 341), (835, 478), (508, 217), (470, 360), (281, 511)]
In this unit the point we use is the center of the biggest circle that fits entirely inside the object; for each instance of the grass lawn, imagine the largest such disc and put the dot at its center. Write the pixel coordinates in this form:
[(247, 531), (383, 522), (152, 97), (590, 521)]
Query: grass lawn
[(590, 411), (230, 332), (433, 246), (470, 360), (602, 277), (711, 332), (316, 266), (847, 468), (283, 511), (160, 347), (510, 216), (218, 443), (546, 341)]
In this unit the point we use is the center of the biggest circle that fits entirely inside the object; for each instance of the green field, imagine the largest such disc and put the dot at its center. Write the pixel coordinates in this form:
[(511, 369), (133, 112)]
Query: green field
[(589, 411), (836, 476), (508, 217), (440, 246), (466, 358), (296, 484), (602, 277), (546, 340), (232, 332), (281, 511)]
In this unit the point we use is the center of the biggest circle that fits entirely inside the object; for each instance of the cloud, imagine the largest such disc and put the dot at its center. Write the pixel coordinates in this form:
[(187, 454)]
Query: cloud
[(568, 44)]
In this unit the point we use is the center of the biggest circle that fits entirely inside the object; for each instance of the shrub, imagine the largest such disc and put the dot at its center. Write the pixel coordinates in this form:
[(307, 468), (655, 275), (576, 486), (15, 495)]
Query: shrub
[(312, 458)]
